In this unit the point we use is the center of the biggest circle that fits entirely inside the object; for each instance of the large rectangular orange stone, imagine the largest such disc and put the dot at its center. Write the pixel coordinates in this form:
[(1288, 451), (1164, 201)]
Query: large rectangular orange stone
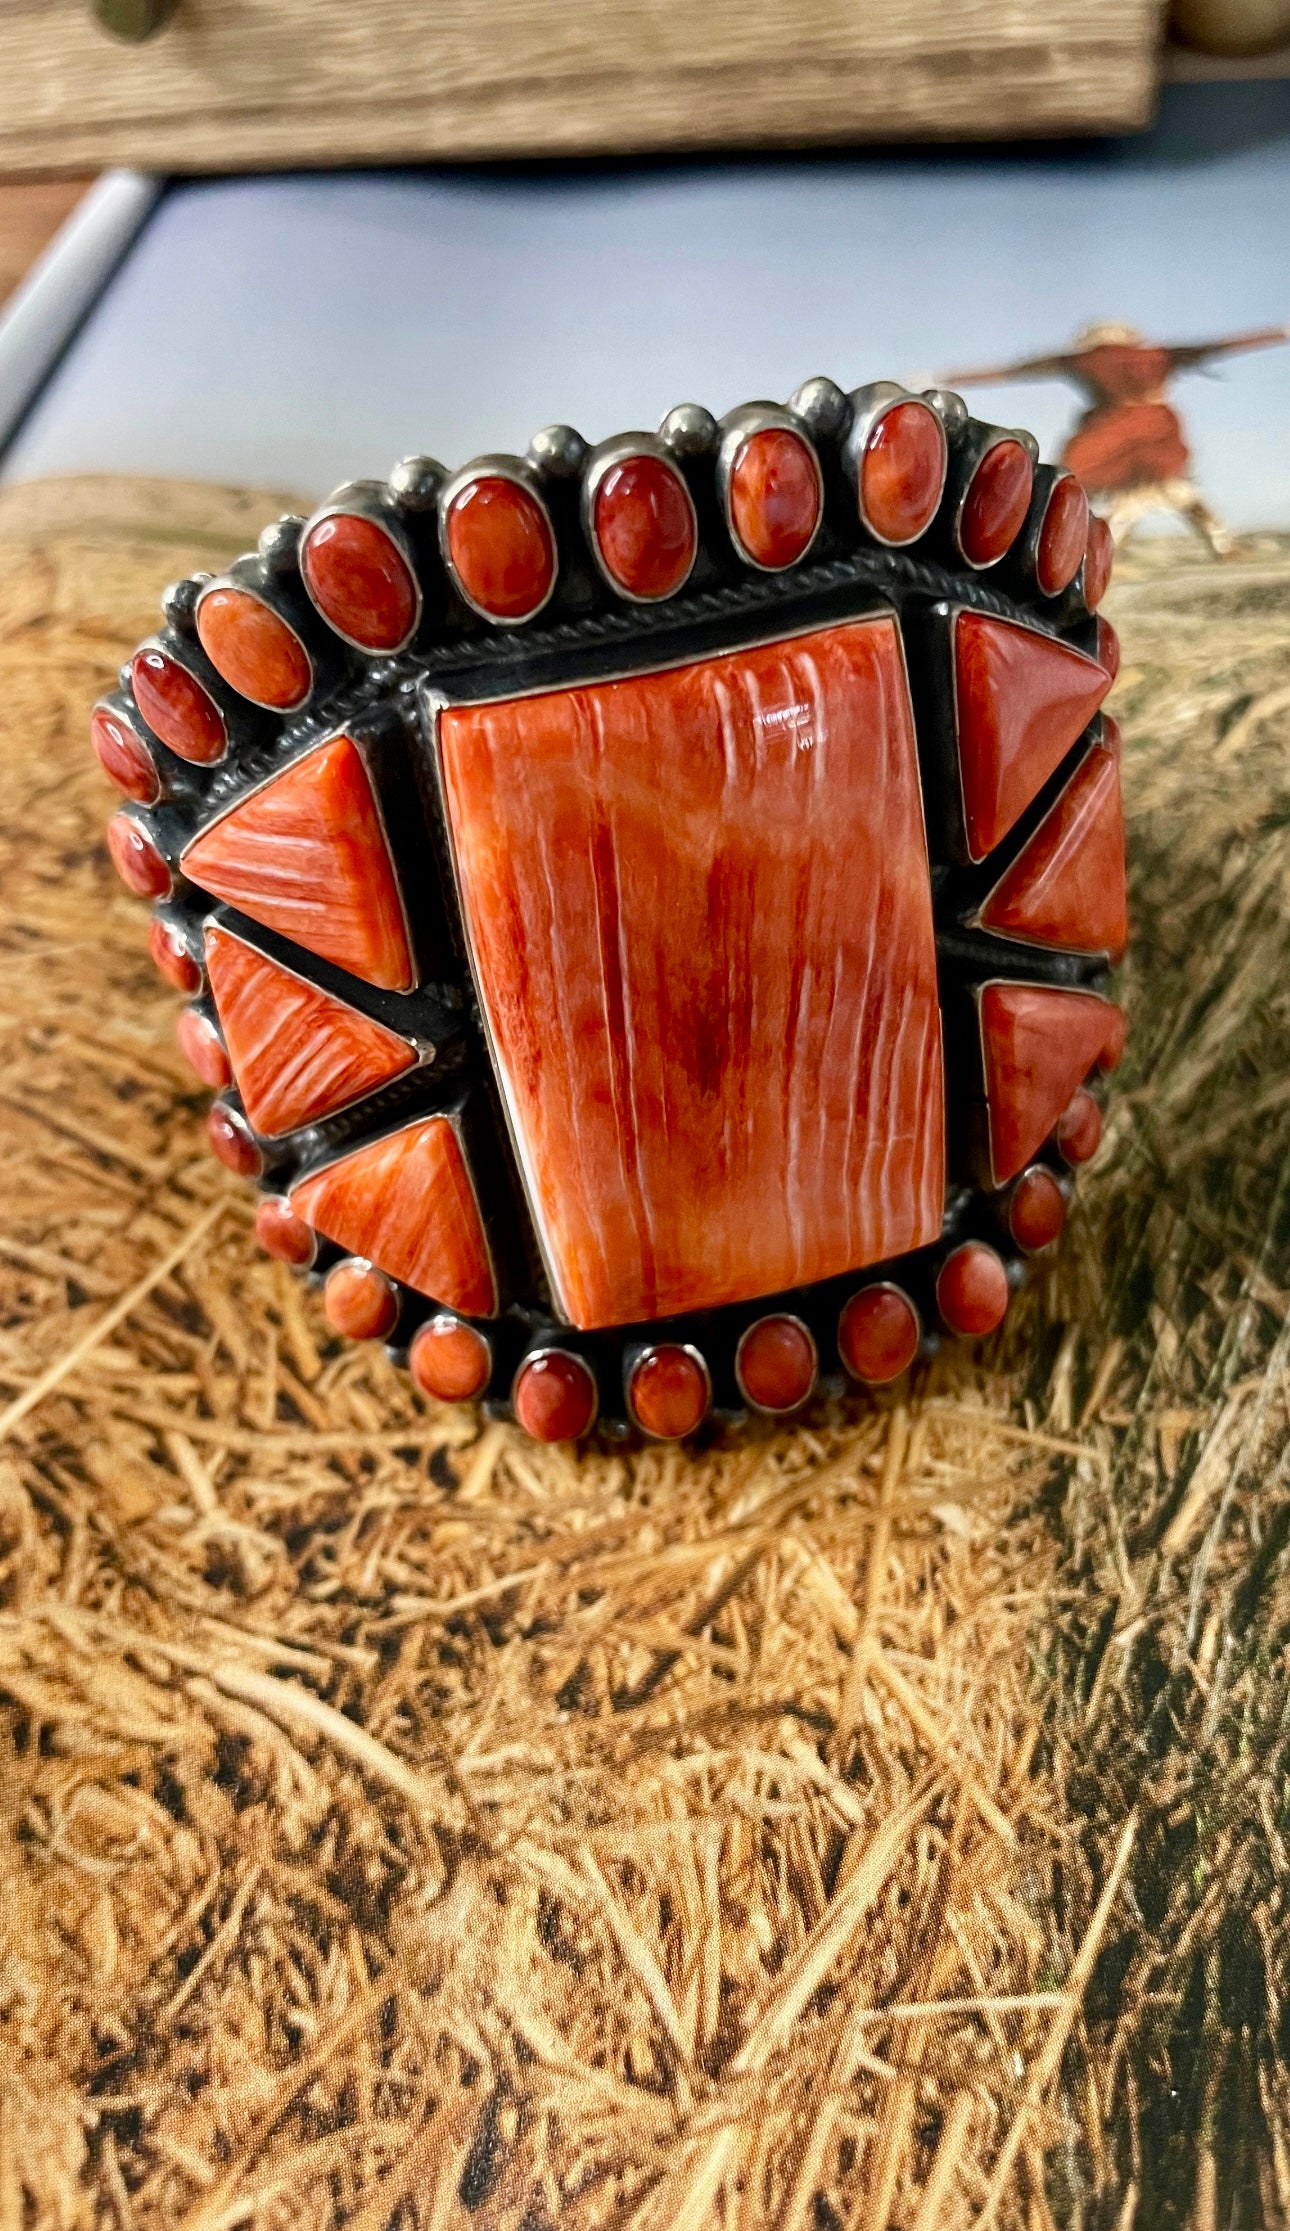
[(700, 923)]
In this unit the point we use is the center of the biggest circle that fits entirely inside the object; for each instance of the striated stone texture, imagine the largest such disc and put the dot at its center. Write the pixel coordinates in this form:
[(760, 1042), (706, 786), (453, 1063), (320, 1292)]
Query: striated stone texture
[(996, 503), (902, 472), (254, 649), (1021, 700), (307, 855), (298, 1054), (360, 580), (775, 497), (177, 707), (1062, 536), (1038, 1045), (699, 910), (1066, 887), (407, 1203), (501, 546), (644, 527)]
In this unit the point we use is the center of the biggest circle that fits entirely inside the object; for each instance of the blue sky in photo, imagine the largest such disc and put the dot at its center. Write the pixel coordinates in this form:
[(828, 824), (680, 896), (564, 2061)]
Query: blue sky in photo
[(301, 330)]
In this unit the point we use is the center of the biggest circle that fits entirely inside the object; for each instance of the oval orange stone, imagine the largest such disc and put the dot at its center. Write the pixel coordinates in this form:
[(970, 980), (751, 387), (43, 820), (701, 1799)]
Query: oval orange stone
[(554, 1396), (450, 1361), (1079, 1132), (1062, 537), (177, 708), (171, 957), (501, 547), (203, 1049), (668, 1392), (998, 498), (1037, 1210), (774, 496), (360, 580), (228, 1136), (360, 1302), (136, 858), (644, 527), (972, 1289), (124, 757), (878, 1334), (902, 472), (254, 649), (776, 1364), (283, 1234), (1099, 558)]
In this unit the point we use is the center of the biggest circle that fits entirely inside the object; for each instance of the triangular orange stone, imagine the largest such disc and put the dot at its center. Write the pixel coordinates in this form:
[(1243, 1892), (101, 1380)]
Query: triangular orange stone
[(1066, 886), (298, 1054), (306, 855), (1021, 700), (407, 1203), (1038, 1045)]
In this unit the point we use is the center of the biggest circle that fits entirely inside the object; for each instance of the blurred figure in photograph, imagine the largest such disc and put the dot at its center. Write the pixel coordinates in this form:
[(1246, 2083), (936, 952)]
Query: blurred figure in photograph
[(1130, 448)]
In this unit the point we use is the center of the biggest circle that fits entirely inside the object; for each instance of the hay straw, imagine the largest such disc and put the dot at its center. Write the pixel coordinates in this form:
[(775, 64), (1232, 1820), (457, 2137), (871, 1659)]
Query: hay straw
[(406, 1826)]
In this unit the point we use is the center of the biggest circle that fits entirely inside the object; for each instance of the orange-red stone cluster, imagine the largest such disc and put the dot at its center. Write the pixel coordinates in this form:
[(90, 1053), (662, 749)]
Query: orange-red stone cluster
[(702, 1015)]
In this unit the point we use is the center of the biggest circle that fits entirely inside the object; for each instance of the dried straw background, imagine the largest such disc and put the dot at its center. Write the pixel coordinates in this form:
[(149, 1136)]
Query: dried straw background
[(400, 1826)]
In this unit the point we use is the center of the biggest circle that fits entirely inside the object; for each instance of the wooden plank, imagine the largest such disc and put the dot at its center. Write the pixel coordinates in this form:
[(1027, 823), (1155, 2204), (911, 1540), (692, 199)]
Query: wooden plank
[(232, 82)]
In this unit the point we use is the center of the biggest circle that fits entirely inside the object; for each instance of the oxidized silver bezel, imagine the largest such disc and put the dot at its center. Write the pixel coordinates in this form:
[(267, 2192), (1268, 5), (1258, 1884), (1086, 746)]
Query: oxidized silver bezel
[(632, 1362), (778, 1409), (125, 712), (602, 461), (361, 499), (497, 467), (737, 429), (869, 406), (244, 575)]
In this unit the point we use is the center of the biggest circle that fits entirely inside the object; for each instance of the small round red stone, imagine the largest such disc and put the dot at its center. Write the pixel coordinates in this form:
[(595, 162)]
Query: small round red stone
[(878, 1334), (203, 1049), (171, 957), (776, 1363), (995, 507), (284, 1234), (500, 546), (136, 858), (1108, 647), (1063, 536), (554, 1396), (1036, 1210), (1079, 1130), (254, 648), (231, 1141), (177, 708), (972, 1289), (668, 1393), (644, 527), (360, 1302), (1099, 558), (449, 1360), (902, 472), (774, 496), (124, 757), (360, 580)]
